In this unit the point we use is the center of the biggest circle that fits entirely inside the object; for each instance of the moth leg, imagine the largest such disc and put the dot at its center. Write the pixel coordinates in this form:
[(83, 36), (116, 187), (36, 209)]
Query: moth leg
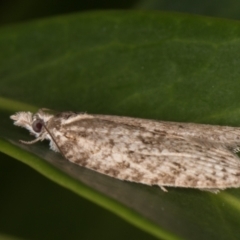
[(212, 190), (164, 189), (236, 150), (31, 142)]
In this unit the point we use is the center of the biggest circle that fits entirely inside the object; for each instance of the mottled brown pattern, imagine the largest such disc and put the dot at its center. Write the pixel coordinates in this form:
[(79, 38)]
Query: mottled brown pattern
[(154, 181), (150, 167), (82, 162), (144, 151), (65, 115), (123, 165), (111, 172), (137, 176)]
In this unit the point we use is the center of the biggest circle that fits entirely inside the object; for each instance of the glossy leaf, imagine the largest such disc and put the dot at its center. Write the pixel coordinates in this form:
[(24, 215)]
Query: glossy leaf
[(152, 65)]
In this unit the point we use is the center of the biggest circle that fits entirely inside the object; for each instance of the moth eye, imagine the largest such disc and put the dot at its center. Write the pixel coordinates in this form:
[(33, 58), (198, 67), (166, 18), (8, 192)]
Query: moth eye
[(37, 125)]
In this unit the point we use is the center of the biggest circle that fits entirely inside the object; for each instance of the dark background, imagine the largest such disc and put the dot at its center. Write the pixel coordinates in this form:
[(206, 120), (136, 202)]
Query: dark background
[(12, 11)]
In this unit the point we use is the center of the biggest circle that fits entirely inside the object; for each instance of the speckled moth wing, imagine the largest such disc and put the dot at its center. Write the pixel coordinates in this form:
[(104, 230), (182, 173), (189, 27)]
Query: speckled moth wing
[(230, 136), (145, 151), (133, 153)]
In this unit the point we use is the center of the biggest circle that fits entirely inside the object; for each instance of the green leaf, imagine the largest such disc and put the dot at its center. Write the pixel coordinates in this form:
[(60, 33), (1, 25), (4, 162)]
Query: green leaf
[(8, 237), (152, 65), (214, 8)]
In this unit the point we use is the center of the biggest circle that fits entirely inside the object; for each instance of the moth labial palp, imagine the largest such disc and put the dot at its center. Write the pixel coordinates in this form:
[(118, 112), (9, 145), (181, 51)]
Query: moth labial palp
[(167, 154)]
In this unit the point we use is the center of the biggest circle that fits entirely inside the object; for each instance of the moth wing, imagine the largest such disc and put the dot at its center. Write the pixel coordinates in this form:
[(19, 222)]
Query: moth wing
[(158, 158), (222, 134), (183, 164)]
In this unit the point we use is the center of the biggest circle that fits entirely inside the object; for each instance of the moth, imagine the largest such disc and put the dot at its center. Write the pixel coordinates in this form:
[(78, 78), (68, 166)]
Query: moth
[(167, 154)]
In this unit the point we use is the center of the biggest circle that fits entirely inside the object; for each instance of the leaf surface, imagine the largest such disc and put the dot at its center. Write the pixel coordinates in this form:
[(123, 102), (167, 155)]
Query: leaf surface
[(140, 64)]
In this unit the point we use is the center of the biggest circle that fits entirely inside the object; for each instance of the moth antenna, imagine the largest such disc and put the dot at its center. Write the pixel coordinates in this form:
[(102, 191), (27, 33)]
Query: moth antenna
[(54, 140)]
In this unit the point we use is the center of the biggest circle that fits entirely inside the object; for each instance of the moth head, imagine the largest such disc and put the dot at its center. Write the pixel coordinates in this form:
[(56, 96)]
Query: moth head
[(34, 123)]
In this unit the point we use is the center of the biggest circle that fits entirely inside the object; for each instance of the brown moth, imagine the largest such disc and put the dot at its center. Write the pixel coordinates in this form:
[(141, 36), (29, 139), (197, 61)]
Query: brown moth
[(139, 150)]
